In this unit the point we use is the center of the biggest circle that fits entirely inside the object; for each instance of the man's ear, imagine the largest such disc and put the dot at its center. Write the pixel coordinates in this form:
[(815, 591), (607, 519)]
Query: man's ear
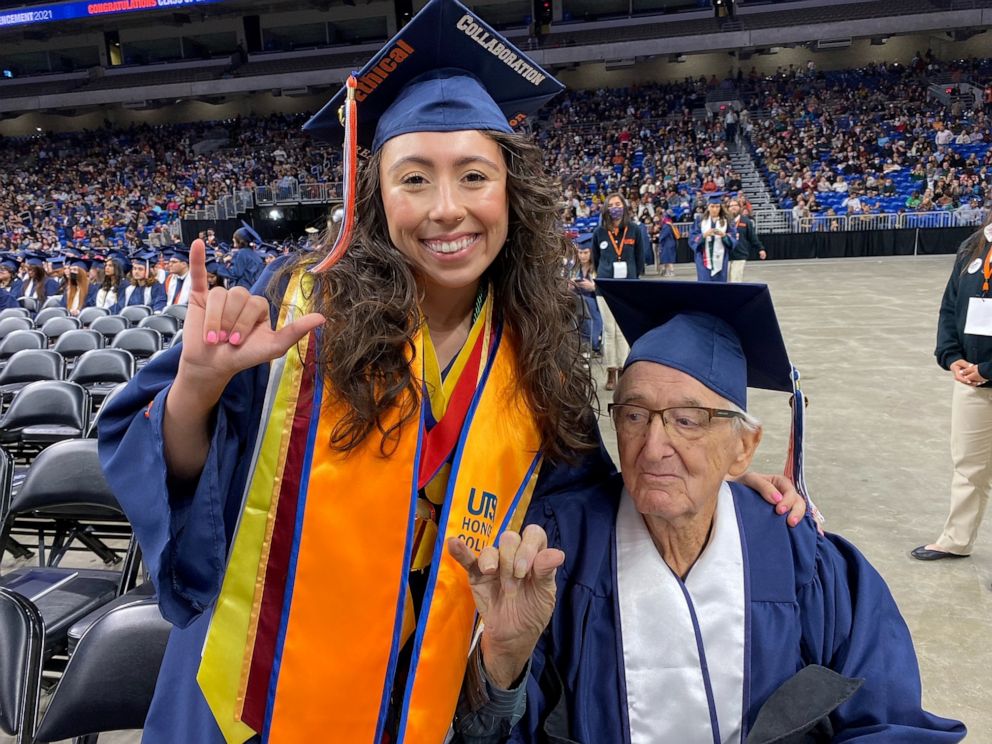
[(747, 444)]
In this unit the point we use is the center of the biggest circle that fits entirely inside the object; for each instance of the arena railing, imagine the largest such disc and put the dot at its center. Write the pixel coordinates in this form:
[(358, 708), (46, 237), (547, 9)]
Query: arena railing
[(783, 221)]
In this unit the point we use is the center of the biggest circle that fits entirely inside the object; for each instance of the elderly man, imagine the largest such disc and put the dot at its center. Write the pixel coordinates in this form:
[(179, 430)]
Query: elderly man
[(684, 603)]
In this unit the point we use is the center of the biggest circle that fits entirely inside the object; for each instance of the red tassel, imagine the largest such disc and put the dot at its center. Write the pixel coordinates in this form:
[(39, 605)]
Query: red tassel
[(350, 121)]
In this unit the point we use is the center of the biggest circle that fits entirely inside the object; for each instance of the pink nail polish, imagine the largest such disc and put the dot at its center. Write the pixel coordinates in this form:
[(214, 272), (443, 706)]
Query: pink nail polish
[(776, 497), (212, 337), (235, 338), (223, 336)]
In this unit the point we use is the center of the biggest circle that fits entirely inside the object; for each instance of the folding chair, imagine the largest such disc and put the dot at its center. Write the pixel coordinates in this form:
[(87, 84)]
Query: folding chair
[(22, 645)]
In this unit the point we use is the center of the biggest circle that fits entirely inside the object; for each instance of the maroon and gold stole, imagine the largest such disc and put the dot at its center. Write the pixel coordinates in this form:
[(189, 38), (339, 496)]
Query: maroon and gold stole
[(306, 632)]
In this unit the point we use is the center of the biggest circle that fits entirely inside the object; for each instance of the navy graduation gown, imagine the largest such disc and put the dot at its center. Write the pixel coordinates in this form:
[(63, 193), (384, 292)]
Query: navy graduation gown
[(185, 533), (698, 244), (90, 297), (246, 267), (810, 600), (157, 298)]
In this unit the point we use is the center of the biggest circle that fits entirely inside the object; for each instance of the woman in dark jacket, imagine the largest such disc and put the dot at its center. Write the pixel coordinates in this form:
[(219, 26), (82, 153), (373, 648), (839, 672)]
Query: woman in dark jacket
[(964, 348), (618, 247)]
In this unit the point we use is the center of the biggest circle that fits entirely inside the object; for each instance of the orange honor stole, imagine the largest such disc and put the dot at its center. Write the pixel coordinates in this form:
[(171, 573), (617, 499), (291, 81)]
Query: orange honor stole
[(309, 624)]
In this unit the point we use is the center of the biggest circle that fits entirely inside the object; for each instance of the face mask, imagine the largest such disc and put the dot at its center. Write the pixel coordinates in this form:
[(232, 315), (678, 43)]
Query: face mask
[(616, 213), (988, 233)]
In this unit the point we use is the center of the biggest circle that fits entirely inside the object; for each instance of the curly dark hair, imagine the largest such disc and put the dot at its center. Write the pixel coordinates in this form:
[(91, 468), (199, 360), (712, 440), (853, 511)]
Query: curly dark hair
[(369, 338)]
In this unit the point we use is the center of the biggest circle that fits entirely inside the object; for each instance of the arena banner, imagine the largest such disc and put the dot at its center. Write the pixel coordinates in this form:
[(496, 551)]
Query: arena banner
[(855, 244), (76, 9)]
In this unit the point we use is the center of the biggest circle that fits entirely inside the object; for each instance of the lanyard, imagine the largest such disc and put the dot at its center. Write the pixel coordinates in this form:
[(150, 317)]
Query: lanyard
[(987, 269), (618, 249)]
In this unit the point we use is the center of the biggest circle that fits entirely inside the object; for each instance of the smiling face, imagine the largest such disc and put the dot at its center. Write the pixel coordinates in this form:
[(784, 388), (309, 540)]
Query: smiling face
[(670, 478), (446, 204)]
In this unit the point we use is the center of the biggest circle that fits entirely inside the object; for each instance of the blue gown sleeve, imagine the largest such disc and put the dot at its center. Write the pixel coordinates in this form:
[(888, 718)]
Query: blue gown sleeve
[(851, 624), (7, 299), (183, 532), (695, 236), (731, 239)]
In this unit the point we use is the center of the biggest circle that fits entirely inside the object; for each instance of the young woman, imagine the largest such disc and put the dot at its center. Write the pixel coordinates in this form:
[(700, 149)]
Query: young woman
[(964, 348), (583, 279), (38, 285), (9, 281), (712, 239), (318, 475), (111, 291), (78, 292), (618, 248), (668, 238)]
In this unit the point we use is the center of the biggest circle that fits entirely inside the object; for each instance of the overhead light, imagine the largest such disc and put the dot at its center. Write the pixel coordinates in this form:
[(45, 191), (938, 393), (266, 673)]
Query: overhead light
[(311, 230), (37, 129), (275, 214)]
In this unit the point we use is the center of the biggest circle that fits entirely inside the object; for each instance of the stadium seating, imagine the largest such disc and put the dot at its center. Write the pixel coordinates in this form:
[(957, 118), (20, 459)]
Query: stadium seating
[(21, 652), (134, 313), (88, 314), (109, 326), (45, 412), (76, 342), (30, 365), (20, 340)]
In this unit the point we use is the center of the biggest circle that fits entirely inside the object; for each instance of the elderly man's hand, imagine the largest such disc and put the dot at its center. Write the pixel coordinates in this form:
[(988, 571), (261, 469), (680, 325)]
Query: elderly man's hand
[(514, 591), (780, 492)]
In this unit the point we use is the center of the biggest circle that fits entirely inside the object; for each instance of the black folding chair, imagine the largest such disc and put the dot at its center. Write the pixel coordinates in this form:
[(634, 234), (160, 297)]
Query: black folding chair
[(28, 303), (14, 312), (22, 645), (18, 323), (176, 311), (55, 302), (167, 325), (141, 342), (55, 327), (75, 343), (43, 413), (109, 326), (134, 313), (88, 314), (20, 340), (95, 423), (30, 365), (110, 678), (48, 312), (65, 505), (100, 370)]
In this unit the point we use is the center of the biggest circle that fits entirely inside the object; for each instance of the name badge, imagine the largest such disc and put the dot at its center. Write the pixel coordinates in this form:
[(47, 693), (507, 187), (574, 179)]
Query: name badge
[(620, 270), (974, 266), (979, 320)]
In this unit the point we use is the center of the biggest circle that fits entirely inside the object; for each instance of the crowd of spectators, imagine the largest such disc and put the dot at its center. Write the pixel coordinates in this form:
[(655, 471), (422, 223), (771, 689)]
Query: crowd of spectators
[(119, 186), (843, 142)]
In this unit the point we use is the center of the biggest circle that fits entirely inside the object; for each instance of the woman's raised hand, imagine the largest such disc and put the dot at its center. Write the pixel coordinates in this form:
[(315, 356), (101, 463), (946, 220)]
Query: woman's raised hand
[(228, 330)]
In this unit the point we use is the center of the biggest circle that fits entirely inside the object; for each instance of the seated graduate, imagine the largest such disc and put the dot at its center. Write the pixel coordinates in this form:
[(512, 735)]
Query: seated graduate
[(115, 283), (9, 279), (79, 292), (144, 288), (39, 286), (684, 603)]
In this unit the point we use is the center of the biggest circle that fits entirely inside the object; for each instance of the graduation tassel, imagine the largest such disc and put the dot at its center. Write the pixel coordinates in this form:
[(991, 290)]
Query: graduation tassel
[(795, 466), (349, 118)]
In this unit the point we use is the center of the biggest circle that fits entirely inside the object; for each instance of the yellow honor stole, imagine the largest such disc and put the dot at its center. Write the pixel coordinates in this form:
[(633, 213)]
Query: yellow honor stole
[(314, 606)]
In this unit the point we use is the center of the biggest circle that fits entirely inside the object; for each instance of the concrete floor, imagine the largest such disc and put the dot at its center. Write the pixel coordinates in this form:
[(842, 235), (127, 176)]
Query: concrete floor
[(861, 332)]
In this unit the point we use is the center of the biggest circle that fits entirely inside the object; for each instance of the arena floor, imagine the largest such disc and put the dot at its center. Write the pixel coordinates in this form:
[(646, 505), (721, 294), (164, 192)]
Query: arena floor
[(862, 333)]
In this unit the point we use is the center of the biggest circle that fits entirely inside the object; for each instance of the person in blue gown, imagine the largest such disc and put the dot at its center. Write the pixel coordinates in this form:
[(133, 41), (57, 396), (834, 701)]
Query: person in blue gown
[(78, 292), (246, 264), (143, 288), (712, 239), (9, 280), (667, 243), (652, 641), (38, 285)]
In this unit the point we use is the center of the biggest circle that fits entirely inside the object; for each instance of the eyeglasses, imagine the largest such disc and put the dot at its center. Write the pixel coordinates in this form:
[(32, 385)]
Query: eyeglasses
[(688, 423)]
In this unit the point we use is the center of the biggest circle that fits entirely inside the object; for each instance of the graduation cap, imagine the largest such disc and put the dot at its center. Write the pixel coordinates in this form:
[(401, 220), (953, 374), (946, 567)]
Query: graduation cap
[(10, 261), (121, 259), (180, 253), (583, 240), (447, 70), (218, 269), (726, 336), (246, 233), (78, 262), (35, 259), (715, 197)]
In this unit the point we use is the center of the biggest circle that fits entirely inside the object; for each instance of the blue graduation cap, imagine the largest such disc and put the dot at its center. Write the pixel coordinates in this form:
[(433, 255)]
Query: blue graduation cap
[(180, 253), (716, 197), (447, 70), (35, 259), (583, 240), (218, 269), (246, 233), (726, 336), (10, 262), (56, 261), (78, 262), (121, 259)]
